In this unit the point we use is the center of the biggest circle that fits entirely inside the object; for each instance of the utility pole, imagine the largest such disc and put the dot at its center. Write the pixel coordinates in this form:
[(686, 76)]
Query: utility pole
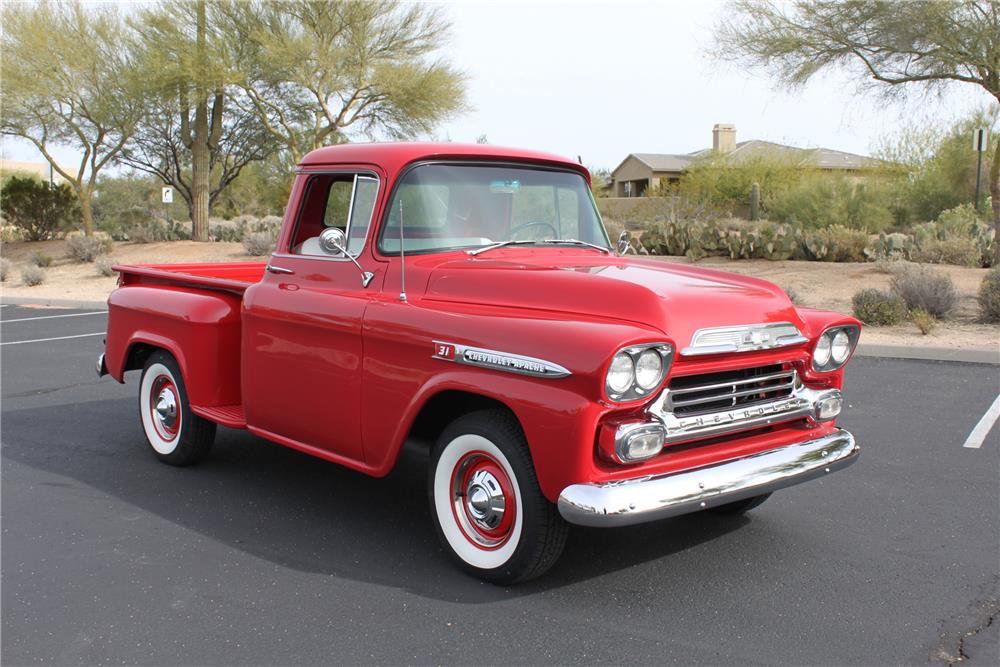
[(980, 137)]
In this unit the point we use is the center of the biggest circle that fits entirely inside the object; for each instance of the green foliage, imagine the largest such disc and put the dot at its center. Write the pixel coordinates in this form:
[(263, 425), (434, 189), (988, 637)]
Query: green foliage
[(38, 210), (921, 287), (718, 181), (924, 320), (32, 275), (958, 251), (989, 296), (835, 244), (40, 260), (820, 200), (878, 308), (68, 80)]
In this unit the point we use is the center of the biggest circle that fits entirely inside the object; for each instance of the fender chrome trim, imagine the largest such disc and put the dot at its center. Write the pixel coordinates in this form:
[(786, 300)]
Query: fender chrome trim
[(650, 498), (497, 361)]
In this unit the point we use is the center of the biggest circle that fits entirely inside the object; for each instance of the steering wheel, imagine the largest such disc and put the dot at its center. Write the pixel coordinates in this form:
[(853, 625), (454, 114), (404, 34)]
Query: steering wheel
[(528, 225)]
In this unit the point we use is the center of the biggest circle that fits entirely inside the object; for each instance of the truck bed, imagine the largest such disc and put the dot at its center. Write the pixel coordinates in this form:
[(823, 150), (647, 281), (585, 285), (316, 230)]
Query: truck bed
[(229, 276)]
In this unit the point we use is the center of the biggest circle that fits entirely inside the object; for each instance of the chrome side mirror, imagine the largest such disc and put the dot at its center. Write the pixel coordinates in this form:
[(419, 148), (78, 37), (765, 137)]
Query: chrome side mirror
[(333, 241), (624, 242)]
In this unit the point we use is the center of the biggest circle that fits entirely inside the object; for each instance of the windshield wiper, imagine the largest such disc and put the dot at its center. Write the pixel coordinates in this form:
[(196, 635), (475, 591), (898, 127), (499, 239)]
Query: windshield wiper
[(500, 244), (578, 242)]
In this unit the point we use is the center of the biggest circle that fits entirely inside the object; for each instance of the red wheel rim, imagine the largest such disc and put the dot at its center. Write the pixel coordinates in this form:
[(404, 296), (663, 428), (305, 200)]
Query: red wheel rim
[(164, 407), (484, 504)]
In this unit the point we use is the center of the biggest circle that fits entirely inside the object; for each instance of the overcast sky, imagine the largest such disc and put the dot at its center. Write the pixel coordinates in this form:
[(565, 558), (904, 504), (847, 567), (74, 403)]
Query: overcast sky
[(605, 79)]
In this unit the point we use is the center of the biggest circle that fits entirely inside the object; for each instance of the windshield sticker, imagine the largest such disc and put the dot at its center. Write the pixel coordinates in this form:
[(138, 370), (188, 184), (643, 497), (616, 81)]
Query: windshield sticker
[(505, 187)]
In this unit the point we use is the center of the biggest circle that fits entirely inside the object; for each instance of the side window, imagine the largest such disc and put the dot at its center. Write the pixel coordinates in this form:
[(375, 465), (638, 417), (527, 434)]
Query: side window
[(344, 201)]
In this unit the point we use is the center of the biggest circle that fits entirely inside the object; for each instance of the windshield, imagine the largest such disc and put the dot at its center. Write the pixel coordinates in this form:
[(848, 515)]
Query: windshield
[(446, 206)]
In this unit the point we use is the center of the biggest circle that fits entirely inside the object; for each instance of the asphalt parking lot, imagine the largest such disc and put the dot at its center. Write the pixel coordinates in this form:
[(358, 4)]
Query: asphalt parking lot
[(262, 555)]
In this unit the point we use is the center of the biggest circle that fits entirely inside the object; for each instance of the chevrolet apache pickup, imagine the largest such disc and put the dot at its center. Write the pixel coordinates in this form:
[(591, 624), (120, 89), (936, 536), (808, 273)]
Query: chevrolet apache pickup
[(469, 298)]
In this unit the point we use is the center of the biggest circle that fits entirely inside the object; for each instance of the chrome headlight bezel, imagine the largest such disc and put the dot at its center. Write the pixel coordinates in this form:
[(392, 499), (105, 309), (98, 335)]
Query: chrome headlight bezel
[(853, 333), (634, 392)]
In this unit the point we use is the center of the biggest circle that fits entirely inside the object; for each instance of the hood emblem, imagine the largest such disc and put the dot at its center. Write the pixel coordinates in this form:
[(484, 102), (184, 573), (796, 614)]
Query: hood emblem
[(496, 360), (743, 338)]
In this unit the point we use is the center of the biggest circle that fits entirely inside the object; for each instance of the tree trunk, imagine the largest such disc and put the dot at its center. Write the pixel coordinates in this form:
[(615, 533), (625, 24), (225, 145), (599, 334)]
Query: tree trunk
[(200, 174), (87, 213), (995, 195), (199, 140)]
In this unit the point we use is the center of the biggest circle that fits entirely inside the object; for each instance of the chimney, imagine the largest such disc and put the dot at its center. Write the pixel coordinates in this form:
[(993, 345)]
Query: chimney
[(723, 137)]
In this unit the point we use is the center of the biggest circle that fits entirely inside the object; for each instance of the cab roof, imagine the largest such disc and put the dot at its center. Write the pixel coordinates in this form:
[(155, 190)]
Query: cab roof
[(393, 156)]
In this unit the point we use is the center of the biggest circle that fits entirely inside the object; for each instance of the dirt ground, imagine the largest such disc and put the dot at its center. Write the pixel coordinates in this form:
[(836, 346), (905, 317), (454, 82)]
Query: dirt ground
[(816, 284)]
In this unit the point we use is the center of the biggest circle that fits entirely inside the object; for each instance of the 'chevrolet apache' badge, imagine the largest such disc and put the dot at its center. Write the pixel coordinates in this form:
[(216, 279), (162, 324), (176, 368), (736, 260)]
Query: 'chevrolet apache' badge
[(501, 361)]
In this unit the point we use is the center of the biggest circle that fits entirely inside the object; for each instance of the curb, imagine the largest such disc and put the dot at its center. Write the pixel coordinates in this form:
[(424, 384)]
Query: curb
[(973, 356), (61, 303)]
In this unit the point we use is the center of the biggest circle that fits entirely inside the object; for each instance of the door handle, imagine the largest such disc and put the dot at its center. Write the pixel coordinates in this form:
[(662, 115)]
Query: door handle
[(278, 269)]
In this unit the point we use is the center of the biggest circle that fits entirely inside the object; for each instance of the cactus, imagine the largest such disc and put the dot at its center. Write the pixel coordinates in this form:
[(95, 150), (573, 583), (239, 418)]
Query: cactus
[(755, 202)]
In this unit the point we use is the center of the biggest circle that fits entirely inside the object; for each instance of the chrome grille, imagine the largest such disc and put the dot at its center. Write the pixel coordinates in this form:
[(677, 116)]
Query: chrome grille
[(712, 392)]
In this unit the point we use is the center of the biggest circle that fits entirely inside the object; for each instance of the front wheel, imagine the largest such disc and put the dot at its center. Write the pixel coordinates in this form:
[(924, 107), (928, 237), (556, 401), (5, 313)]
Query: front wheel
[(176, 435), (486, 504)]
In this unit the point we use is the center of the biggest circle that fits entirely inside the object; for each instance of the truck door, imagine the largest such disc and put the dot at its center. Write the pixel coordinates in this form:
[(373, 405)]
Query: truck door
[(302, 324)]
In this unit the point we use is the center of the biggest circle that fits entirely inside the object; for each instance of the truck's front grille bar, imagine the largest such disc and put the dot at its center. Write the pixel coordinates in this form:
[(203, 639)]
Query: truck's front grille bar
[(711, 392)]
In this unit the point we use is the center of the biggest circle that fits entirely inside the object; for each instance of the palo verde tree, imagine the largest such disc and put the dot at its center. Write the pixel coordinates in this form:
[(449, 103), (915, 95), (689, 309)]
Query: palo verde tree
[(889, 45), (188, 65), (313, 70), (67, 80)]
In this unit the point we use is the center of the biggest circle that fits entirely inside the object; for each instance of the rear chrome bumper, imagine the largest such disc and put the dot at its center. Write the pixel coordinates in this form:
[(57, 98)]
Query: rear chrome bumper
[(102, 368), (650, 498)]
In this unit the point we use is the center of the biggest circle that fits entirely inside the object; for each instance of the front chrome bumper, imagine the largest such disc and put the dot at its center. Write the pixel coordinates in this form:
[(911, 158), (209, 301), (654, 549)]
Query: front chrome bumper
[(649, 498)]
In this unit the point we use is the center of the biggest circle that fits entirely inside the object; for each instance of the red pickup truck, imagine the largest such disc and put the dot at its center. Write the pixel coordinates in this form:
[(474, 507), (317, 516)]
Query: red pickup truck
[(469, 297)]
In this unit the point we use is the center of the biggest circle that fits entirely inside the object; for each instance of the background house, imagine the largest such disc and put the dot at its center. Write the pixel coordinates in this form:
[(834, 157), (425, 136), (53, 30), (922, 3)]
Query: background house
[(40, 170), (641, 171)]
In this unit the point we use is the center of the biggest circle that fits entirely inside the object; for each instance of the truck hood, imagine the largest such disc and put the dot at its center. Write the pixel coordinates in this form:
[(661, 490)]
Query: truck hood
[(676, 299)]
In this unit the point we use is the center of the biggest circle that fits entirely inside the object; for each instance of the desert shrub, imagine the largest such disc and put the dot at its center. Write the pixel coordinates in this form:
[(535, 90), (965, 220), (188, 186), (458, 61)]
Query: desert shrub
[(922, 287), (32, 275), (835, 244), (259, 243), (86, 248), (924, 320), (821, 200), (959, 251), (40, 259), (878, 308), (5, 267), (989, 296), (103, 265), (150, 231), (39, 211)]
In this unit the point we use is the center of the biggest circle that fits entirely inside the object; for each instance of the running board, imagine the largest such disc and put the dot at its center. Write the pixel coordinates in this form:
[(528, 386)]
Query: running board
[(226, 415)]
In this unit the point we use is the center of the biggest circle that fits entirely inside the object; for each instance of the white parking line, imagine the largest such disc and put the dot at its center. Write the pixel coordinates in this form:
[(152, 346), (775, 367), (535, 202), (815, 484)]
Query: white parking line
[(42, 340), (982, 429), (52, 317)]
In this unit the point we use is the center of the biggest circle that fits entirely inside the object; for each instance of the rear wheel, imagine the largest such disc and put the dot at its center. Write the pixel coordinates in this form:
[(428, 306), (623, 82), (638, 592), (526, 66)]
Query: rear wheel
[(741, 506), (176, 435), (486, 504)]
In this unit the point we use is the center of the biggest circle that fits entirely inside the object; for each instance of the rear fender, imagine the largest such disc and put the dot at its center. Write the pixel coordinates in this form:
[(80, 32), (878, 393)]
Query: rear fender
[(200, 328)]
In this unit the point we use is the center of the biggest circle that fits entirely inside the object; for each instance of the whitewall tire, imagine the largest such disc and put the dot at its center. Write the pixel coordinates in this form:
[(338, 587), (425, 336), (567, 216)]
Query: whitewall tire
[(485, 501), (174, 433)]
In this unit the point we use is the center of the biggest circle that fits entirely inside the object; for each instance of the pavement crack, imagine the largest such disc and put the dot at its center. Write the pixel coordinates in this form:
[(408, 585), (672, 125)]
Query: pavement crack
[(962, 655), (982, 612), (48, 390)]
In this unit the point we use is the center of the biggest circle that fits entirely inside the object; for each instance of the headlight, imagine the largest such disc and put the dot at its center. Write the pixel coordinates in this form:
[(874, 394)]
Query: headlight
[(834, 347), (648, 369), (637, 370), (841, 347), (621, 375)]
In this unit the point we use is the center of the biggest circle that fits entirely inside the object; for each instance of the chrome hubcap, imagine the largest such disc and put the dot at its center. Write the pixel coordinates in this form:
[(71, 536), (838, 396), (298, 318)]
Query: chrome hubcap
[(484, 500), (165, 408)]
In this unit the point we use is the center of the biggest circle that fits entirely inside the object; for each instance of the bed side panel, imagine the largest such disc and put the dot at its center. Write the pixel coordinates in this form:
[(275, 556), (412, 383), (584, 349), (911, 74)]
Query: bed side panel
[(201, 328)]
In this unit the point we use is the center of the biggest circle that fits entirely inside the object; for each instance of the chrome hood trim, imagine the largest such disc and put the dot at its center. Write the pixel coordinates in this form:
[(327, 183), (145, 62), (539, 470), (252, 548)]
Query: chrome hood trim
[(744, 338)]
